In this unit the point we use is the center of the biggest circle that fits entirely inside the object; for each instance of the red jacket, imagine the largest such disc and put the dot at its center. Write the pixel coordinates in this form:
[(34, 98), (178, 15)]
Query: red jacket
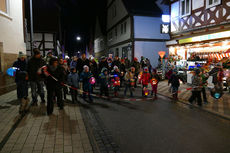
[(145, 78)]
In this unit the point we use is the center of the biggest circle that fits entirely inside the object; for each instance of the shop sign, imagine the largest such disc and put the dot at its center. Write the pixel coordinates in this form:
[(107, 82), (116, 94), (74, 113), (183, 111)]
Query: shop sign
[(218, 35), (165, 28)]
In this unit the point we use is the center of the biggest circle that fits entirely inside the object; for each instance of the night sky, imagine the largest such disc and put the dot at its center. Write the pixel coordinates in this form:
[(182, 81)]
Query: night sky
[(76, 17)]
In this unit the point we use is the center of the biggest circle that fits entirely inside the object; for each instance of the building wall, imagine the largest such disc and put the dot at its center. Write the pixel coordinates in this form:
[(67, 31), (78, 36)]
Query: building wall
[(11, 33), (119, 48), (100, 39), (120, 36), (120, 13), (201, 16), (149, 50), (148, 28)]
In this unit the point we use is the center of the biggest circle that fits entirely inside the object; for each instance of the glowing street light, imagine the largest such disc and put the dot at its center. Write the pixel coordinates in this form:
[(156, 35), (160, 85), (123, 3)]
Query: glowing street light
[(78, 38)]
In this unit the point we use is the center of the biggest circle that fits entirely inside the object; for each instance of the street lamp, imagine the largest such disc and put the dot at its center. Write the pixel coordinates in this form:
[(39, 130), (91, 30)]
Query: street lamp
[(78, 38)]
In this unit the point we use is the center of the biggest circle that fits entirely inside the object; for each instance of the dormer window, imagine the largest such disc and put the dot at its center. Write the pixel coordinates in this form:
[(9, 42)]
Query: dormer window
[(211, 3), (185, 7), (4, 7)]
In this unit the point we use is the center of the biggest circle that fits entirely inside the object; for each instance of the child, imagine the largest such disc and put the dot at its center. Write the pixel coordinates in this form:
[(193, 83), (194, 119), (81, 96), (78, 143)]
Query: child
[(73, 80), (129, 82), (116, 79), (104, 82), (145, 79), (154, 82), (87, 87), (175, 83)]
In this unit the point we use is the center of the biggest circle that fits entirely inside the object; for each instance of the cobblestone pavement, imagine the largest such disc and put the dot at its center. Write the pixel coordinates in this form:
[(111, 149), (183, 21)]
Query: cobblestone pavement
[(64, 131), (220, 107)]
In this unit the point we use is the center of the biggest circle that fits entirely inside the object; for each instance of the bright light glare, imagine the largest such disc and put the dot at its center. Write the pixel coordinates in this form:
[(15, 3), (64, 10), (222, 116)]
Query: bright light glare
[(166, 18), (78, 38)]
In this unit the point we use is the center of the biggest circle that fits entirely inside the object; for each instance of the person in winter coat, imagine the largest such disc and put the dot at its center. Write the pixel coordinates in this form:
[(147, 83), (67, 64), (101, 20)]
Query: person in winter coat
[(103, 63), (48, 57), (116, 62), (63, 63), (85, 77), (175, 83), (73, 63), (36, 81), (73, 80), (54, 87), (104, 82), (154, 82), (197, 87), (81, 62), (129, 82), (145, 79), (115, 79), (21, 79), (123, 71), (136, 64)]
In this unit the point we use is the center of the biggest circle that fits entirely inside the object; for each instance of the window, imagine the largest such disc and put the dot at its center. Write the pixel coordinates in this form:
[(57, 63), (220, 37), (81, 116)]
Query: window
[(211, 3), (185, 7), (125, 24), (4, 6), (122, 28)]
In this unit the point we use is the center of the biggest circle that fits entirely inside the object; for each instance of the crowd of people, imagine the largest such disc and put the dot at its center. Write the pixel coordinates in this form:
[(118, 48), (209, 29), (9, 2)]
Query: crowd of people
[(69, 76)]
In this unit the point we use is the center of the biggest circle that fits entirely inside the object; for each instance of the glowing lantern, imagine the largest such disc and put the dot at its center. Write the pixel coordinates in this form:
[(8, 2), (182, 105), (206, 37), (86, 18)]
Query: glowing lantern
[(161, 53), (146, 92), (154, 81), (92, 80), (11, 71)]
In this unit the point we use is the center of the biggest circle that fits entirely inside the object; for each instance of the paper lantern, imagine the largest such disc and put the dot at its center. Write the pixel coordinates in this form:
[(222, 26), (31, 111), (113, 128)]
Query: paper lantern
[(92, 80), (11, 71), (161, 53), (154, 81)]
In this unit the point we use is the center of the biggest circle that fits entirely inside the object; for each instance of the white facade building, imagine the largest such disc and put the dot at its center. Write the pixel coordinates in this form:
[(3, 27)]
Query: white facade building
[(134, 29), (11, 32)]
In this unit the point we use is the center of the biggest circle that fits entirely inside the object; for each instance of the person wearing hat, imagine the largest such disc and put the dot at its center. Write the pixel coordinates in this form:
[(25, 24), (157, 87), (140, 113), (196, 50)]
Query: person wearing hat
[(175, 84), (104, 82), (21, 79), (103, 63), (35, 64), (197, 87), (136, 64)]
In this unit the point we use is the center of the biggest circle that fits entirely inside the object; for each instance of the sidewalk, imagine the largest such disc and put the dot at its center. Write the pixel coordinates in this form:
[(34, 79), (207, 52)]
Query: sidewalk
[(62, 132), (219, 107), (7, 84)]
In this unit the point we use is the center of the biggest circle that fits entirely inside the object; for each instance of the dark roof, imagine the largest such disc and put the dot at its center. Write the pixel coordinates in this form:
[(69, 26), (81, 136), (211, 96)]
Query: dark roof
[(142, 7)]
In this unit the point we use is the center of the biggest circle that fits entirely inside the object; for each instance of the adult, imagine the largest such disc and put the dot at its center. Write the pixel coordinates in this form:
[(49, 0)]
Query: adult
[(21, 81), (81, 62), (54, 88), (36, 80), (49, 55), (116, 62), (73, 63), (103, 64)]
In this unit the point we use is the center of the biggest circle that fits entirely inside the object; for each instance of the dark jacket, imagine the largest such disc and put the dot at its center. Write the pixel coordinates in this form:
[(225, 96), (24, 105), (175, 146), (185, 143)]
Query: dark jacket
[(116, 63), (21, 71), (81, 63), (85, 77), (174, 80), (33, 66), (103, 64), (104, 80), (58, 73), (136, 65)]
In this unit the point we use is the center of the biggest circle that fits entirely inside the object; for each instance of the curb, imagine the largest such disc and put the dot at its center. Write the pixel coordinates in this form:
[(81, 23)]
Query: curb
[(200, 108)]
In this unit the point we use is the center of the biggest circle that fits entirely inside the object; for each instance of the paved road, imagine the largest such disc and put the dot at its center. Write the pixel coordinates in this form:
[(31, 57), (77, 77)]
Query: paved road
[(163, 127)]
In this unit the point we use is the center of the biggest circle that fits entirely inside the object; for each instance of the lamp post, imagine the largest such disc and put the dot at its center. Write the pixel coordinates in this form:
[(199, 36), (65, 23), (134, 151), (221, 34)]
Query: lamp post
[(31, 28), (162, 54)]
